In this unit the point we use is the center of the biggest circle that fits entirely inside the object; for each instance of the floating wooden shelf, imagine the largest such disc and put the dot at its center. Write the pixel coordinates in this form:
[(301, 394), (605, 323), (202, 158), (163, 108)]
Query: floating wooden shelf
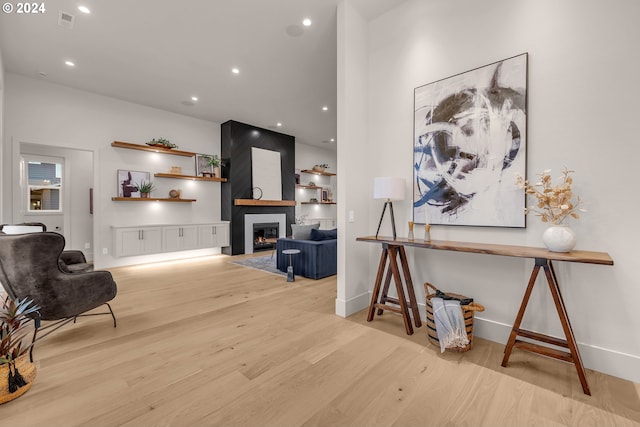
[(308, 187), (253, 202), (317, 173), (317, 203), (150, 199), (152, 149), (191, 177)]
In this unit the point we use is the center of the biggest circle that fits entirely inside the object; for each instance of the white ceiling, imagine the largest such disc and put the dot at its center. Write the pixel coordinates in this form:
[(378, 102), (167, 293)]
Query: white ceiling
[(160, 53)]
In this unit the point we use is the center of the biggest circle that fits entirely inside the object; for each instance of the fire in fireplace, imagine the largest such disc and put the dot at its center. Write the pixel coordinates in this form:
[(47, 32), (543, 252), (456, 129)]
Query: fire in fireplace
[(265, 236)]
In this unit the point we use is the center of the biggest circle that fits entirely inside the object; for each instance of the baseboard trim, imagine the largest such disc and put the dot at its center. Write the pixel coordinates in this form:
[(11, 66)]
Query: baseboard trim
[(607, 361), (345, 308)]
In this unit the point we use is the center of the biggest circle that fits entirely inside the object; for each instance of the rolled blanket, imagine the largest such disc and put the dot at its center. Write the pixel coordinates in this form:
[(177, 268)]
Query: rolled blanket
[(449, 320)]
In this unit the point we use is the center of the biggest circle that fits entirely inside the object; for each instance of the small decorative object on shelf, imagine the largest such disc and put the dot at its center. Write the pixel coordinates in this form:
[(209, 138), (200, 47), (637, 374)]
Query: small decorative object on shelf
[(216, 163), (410, 236), (174, 194), (554, 205), (313, 200), (162, 142), (145, 188), (177, 170), (321, 167), (256, 193), (208, 165), (427, 232)]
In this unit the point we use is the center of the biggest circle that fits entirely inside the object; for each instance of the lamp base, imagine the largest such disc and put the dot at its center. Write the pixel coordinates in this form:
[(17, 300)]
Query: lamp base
[(393, 219)]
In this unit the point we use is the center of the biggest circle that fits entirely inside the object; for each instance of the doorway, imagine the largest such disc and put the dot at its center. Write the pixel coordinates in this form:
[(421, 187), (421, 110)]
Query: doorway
[(55, 189)]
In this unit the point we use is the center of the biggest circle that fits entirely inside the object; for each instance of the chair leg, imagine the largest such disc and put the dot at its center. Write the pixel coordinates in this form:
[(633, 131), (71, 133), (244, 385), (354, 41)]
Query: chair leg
[(112, 314)]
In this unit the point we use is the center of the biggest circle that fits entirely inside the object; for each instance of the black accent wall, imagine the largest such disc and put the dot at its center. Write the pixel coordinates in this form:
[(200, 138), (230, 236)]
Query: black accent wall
[(236, 142)]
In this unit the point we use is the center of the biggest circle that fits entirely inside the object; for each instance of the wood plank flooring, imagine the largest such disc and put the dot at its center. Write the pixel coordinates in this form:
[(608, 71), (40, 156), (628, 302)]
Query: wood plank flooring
[(205, 342)]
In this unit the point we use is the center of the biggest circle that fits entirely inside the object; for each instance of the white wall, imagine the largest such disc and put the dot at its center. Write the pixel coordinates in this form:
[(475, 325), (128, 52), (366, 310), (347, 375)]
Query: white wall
[(582, 108), (354, 173), (38, 112)]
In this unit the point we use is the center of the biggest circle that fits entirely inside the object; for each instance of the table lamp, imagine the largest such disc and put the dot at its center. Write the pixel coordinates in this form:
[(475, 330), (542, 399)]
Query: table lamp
[(388, 188)]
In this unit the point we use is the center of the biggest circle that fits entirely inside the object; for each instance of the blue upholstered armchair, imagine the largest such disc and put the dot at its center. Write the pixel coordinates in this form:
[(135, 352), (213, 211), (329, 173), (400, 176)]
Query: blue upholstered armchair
[(317, 258)]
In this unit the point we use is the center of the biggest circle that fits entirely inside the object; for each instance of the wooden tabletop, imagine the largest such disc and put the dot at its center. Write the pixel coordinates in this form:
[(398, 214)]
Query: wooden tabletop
[(588, 257)]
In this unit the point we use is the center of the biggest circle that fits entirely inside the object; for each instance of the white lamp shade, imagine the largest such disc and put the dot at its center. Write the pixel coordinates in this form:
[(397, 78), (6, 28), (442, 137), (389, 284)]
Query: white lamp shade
[(391, 188)]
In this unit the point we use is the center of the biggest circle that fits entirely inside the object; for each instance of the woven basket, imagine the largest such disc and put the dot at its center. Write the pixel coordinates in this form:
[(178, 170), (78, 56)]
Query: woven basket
[(28, 372), (467, 311)]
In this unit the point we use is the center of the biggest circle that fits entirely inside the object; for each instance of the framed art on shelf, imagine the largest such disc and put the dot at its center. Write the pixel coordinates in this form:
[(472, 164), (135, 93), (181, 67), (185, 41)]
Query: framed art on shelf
[(129, 181), (202, 165), (470, 134)]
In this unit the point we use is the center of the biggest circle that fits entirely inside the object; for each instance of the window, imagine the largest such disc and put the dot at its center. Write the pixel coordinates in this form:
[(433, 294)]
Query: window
[(44, 185)]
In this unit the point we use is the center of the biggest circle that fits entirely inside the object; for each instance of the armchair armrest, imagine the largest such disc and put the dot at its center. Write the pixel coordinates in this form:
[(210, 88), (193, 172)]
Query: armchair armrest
[(73, 257)]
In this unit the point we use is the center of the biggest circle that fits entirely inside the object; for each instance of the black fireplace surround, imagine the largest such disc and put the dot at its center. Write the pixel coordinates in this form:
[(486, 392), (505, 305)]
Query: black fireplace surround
[(237, 139)]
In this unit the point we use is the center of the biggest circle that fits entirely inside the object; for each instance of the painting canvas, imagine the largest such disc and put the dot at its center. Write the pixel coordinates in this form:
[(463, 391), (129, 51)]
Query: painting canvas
[(266, 173), (128, 182), (470, 135)]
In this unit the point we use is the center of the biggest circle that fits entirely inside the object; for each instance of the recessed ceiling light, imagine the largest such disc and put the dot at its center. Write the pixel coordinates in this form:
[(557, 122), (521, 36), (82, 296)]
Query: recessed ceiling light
[(194, 98), (332, 140), (306, 22), (70, 63), (279, 124), (325, 108), (235, 70), (84, 9)]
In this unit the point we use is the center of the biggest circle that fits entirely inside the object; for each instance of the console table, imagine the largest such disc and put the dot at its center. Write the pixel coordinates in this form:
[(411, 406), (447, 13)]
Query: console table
[(393, 248)]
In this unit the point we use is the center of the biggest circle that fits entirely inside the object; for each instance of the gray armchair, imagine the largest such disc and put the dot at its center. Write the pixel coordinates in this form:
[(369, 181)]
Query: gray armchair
[(29, 267), (71, 261)]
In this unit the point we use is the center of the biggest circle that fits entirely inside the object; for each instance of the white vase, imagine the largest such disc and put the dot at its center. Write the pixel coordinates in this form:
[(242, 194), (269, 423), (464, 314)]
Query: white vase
[(559, 238)]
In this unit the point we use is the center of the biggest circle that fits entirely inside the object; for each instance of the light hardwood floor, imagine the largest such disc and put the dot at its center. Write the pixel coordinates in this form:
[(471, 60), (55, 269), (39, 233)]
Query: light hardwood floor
[(209, 343)]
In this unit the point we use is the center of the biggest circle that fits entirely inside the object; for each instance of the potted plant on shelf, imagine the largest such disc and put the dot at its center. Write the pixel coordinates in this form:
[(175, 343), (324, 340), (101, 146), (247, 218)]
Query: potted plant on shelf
[(17, 372), (145, 188), (162, 143), (216, 162), (321, 167)]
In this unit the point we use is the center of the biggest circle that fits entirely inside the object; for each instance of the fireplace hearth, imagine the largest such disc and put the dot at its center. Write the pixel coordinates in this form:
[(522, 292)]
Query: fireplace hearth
[(265, 236)]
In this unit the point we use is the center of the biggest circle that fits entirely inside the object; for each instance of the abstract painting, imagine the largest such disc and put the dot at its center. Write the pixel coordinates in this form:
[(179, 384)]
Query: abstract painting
[(470, 135), (129, 181)]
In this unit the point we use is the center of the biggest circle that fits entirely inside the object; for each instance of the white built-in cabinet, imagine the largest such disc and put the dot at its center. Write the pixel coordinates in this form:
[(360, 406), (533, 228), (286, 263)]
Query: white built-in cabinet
[(137, 241), (145, 240), (179, 238), (213, 235)]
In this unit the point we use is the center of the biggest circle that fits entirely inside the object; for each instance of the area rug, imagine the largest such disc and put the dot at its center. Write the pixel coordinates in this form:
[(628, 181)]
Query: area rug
[(265, 263)]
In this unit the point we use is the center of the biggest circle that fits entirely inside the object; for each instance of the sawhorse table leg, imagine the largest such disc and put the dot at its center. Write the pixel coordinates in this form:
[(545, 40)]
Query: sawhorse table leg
[(380, 298), (571, 356)]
